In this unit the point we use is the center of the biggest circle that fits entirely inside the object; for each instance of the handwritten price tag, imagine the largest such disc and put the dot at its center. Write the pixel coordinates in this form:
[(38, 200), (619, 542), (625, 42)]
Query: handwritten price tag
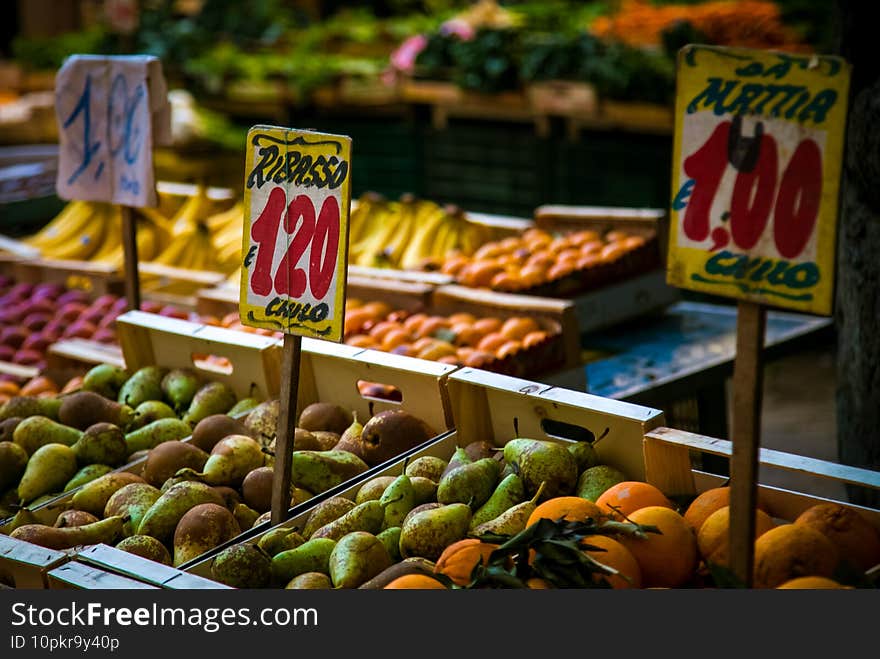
[(756, 175), (295, 243), (111, 111)]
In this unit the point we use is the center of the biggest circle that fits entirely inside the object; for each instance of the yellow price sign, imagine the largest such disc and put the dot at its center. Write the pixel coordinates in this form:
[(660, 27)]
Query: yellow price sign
[(297, 198), (756, 173)]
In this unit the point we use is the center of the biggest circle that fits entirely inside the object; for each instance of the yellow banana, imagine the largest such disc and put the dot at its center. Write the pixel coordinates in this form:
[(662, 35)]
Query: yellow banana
[(194, 209), (424, 241), (84, 243), (66, 226)]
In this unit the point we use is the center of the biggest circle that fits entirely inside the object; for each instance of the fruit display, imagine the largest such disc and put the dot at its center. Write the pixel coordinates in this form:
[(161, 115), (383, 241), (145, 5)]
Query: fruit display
[(55, 442), (192, 493), (517, 345), (548, 263), (410, 233), (537, 514)]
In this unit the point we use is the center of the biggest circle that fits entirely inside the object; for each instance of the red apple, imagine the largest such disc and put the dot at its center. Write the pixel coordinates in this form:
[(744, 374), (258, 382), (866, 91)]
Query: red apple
[(56, 326), (74, 295), (22, 290), (92, 315), (36, 321), (6, 353), (27, 357), (104, 335), (70, 311), (173, 312), (80, 329), (109, 319), (120, 306), (104, 302), (38, 342), (52, 334), (39, 304), (151, 306), (13, 336), (48, 289)]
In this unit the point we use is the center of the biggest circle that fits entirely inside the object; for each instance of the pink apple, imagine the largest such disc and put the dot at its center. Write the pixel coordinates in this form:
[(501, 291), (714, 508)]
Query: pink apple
[(73, 295), (104, 302), (13, 336), (104, 335), (109, 319), (70, 311), (38, 342), (121, 305), (35, 321), (39, 304), (27, 357), (151, 306), (81, 329), (48, 289), (6, 353), (92, 315)]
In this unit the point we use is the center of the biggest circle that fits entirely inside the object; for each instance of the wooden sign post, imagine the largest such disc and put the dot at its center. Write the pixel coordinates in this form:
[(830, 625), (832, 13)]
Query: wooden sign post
[(755, 181), (297, 199), (111, 112)]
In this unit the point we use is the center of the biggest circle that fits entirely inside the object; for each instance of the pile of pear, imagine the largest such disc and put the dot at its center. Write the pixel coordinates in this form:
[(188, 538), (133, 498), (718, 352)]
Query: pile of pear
[(397, 525), (191, 495), (50, 445)]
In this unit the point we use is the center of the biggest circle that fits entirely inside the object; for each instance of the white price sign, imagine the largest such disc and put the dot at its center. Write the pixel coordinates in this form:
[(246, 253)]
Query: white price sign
[(111, 112)]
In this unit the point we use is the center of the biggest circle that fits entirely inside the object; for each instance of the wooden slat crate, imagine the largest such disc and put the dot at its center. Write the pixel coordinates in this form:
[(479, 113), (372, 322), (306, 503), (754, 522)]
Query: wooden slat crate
[(93, 277), (23, 565), (141, 571), (668, 465), (78, 576)]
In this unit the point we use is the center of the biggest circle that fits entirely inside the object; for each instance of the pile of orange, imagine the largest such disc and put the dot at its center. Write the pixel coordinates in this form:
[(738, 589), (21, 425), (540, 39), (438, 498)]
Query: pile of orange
[(461, 339), (538, 257)]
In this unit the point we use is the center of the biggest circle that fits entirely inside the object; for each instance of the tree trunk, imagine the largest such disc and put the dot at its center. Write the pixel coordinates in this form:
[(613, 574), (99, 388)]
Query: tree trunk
[(858, 254)]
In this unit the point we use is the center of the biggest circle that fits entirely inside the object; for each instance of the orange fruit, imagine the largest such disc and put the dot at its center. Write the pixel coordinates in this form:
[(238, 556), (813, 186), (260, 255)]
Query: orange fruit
[(812, 583), (478, 359), (573, 509), (517, 327), (560, 270), (380, 329), (9, 388), (508, 348), (479, 273), (590, 261), (669, 558), (540, 259), (430, 325), (361, 341), (458, 560), (591, 248), (356, 319), (453, 265), (505, 281), (615, 556), (422, 343), (612, 252), (487, 325), (713, 537), (461, 318), (626, 497), (395, 337), (537, 583), (532, 275), (708, 502), (632, 242), (414, 322), (792, 550), (532, 339), (73, 384), (615, 235), (437, 350), (38, 385), (466, 334), (377, 310), (415, 582), (491, 342), (855, 537)]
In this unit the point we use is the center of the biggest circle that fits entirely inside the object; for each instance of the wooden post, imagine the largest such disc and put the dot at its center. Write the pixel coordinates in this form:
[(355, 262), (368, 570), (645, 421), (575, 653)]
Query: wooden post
[(746, 424), (129, 246), (284, 445)]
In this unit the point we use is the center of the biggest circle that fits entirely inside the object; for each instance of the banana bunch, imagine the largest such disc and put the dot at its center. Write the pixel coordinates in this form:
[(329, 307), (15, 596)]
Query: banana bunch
[(410, 233), (77, 232), (226, 235)]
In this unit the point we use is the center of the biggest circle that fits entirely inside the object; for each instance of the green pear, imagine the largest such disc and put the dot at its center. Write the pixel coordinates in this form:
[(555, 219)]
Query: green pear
[(161, 520), (131, 501), (47, 471), (585, 455), (231, 459), (357, 557), (244, 565), (211, 398), (373, 488), (310, 581), (168, 458), (93, 496), (244, 515), (390, 537), (593, 481), (318, 471), (13, 461), (82, 409), (471, 483), (179, 387), (425, 489), (107, 531), (397, 500), (201, 529), (105, 379), (243, 406), (367, 516), (147, 547), (509, 492), (350, 440), (262, 421), (511, 521), (542, 461), (427, 466), (36, 431), (325, 512), (25, 406), (459, 457), (144, 384), (274, 541), (149, 411), (429, 532), (101, 443), (311, 556), (156, 432), (86, 475)]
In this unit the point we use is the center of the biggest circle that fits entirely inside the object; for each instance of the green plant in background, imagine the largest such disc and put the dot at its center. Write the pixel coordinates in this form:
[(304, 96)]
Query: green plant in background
[(48, 53), (488, 62)]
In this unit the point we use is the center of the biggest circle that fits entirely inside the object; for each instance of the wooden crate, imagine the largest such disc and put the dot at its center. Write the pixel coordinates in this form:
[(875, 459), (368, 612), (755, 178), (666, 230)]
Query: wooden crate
[(78, 576), (668, 465), (148, 339), (92, 277), (141, 571), (24, 565), (490, 406)]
